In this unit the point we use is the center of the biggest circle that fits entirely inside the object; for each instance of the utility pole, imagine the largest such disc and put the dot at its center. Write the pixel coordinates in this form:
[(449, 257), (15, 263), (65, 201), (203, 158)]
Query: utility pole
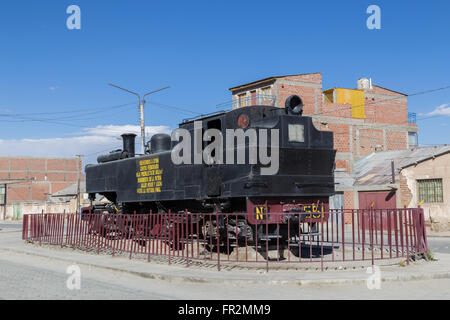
[(78, 181), (141, 110)]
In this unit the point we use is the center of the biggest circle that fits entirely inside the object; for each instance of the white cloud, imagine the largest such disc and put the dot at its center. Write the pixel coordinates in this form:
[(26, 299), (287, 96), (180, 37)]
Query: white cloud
[(115, 131), (442, 110), (91, 143)]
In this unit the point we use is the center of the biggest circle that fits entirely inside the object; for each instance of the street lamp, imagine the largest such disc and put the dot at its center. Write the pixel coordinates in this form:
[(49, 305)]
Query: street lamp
[(141, 110)]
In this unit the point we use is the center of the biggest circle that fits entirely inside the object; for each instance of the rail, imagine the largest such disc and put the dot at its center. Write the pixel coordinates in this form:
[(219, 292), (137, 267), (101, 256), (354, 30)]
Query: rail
[(187, 238)]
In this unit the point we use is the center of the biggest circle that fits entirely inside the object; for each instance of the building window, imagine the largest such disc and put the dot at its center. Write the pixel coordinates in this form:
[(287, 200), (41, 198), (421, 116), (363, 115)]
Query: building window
[(242, 98), (413, 139), (2, 194), (430, 190), (266, 93)]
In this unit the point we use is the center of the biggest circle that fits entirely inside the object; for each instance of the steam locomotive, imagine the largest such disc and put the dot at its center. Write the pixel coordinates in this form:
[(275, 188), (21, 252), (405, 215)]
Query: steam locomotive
[(300, 176)]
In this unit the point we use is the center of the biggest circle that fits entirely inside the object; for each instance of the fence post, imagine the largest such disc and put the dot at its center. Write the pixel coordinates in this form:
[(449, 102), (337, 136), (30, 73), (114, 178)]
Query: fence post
[(218, 239), (371, 235), (423, 240), (406, 235), (321, 241), (169, 231), (187, 236), (343, 232)]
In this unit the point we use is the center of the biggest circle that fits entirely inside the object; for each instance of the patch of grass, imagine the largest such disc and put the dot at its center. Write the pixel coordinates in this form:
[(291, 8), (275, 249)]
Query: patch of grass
[(430, 256)]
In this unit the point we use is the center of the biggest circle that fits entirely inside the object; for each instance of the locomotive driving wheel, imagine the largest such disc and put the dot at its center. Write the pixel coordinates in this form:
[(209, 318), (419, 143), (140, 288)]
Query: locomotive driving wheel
[(231, 231)]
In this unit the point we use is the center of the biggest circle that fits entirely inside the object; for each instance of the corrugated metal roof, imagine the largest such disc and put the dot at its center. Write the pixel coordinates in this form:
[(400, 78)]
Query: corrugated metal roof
[(375, 169)]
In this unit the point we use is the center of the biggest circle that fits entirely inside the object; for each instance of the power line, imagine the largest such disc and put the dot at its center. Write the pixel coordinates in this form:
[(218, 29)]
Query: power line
[(161, 105), (64, 112)]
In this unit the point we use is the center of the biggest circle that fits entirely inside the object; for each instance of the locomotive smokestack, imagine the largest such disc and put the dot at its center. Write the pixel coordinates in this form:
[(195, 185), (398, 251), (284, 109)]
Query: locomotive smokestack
[(129, 143), (294, 105)]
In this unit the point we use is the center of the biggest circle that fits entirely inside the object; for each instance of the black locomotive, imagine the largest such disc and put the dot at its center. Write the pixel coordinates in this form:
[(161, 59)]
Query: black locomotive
[(153, 182)]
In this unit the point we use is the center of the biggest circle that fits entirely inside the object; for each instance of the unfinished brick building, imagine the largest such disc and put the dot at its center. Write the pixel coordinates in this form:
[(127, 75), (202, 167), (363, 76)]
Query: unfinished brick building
[(364, 120), (26, 183)]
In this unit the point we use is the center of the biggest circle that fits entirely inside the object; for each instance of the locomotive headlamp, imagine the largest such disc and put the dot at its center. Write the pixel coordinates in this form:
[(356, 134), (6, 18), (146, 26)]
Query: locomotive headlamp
[(243, 121)]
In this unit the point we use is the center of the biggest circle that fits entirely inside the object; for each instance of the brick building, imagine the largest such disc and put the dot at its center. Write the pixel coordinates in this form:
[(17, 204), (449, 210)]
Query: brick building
[(364, 120), (421, 176), (26, 183)]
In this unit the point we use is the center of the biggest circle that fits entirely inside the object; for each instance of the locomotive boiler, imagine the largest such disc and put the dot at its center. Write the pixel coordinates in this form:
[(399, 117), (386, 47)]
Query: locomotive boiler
[(293, 170)]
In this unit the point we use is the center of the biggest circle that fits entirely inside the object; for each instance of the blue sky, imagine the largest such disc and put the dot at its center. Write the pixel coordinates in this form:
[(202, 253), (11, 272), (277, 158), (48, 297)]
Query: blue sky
[(200, 49)]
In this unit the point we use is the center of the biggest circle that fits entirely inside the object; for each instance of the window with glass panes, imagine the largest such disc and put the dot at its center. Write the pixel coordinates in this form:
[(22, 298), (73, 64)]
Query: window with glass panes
[(430, 190)]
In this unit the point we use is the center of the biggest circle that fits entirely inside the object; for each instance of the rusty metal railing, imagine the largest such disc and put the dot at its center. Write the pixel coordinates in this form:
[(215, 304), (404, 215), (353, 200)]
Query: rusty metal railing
[(230, 239)]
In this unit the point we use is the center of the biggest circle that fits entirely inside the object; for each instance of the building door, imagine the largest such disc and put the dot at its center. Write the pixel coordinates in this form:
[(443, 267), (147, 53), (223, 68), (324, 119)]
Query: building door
[(376, 204), (377, 200)]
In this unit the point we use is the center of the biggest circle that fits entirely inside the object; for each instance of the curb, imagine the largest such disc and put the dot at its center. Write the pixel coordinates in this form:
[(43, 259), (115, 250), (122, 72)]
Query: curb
[(194, 279), (437, 236)]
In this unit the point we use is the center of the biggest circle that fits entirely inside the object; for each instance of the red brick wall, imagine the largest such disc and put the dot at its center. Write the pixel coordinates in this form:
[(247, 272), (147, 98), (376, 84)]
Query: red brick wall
[(55, 164), (396, 140), (50, 176), (310, 78), (390, 108), (348, 204), (405, 193), (335, 110), (349, 200), (369, 139), (306, 93), (4, 164), (36, 164), (343, 164), (19, 192), (341, 134)]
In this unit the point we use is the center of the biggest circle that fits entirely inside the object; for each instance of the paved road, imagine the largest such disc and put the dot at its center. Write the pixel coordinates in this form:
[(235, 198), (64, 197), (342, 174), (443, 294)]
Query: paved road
[(25, 276), (30, 277), (10, 226), (439, 244)]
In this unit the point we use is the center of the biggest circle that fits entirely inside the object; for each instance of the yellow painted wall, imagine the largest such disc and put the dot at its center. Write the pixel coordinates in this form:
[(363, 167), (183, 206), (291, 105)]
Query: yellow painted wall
[(353, 97)]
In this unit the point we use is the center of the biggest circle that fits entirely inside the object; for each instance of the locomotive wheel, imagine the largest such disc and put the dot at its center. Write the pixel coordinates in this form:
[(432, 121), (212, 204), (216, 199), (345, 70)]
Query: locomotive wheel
[(209, 233), (246, 230)]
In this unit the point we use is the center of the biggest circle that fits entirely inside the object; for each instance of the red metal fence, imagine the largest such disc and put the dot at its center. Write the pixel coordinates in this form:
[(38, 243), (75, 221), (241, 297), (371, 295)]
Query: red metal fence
[(229, 239)]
